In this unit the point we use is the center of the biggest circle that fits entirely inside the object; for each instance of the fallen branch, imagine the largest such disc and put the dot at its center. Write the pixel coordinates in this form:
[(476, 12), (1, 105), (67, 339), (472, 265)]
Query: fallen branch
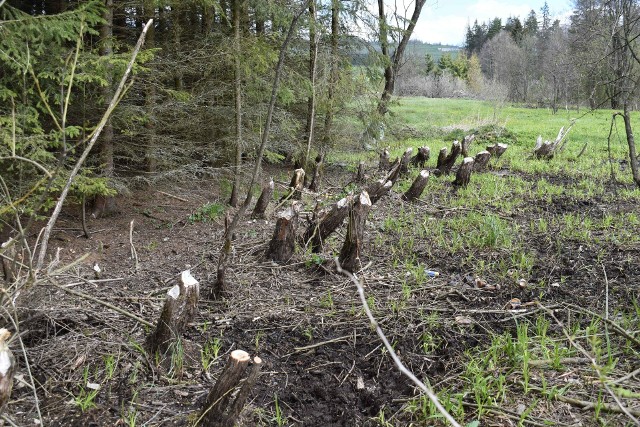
[(320, 344), (422, 386)]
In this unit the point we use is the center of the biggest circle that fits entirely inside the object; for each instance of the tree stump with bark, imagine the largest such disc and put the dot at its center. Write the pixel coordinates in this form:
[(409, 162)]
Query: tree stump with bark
[(353, 243), (283, 242), (547, 150), (481, 161), (446, 162), (180, 308), (326, 223), (421, 159), (263, 201), (7, 368), (7, 249), (296, 185), (416, 189), (464, 172), (385, 161), (497, 150), (219, 409), (360, 173), (466, 143), (317, 173), (378, 189)]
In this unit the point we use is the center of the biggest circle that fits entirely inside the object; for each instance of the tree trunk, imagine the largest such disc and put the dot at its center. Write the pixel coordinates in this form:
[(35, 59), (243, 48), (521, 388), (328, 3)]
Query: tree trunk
[(353, 243), (379, 189), (633, 158), (402, 167), (325, 224), (464, 172), (263, 201), (7, 369), (150, 95), (384, 163), (283, 242), (421, 159), (481, 161), (311, 103), (333, 78), (296, 185), (360, 172), (466, 143), (446, 163), (317, 173), (217, 411), (237, 83), (497, 150), (416, 189)]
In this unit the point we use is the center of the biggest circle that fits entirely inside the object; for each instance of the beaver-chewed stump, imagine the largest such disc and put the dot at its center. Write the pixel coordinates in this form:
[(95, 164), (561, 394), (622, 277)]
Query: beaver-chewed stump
[(180, 308), (326, 223), (481, 161), (263, 201), (7, 249), (296, 185), (497, 150), (421, 159), (466, 143), (353, 242), (220, 410), (385, 162), (416, 189), (317, 173), (401, 167), (446, 162), (283, 242), (360, 172), (7, 368), (379, 189), (463, 176)]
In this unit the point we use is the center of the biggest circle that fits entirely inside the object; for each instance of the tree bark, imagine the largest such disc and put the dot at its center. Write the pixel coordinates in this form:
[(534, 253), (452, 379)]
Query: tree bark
[(402, 167), (296, 185), (416, 189), (263, 201), (378, 189), (311, 103), (466, 143), (333, 77), (481, 161), (497, 150), (237, 85), (353, 243), (384, 163), (633, 158), (360, 172), (320, 229), (445, 164), (421, 159), (283, 242), (317, 173), (464, 172)]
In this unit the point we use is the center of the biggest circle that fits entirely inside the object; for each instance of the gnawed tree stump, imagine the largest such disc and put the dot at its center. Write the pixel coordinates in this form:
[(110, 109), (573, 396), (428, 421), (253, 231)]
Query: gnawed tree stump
[(263, 201), (445, 163), (378, 189), (360, 172), (353, 242), (497, 150), (317, 173), (547, 149), (481, 160), (296, 185), (180, 307), (421, 159), (385, 162), (466, 143), (219, 410), (464, 172), (7, 249), (283, 242), (442, 154), (325, 224), (7, 368), (416, 189), (400, 166)]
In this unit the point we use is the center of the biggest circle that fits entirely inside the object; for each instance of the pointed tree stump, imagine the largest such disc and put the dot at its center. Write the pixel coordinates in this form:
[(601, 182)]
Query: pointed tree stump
[(445, 165), (317, 173), (441, 156), (466, 143), (7, 368), (547, 149), (263, 201), (401, 167), (8, 250), (352, 249), (326, 223), (497, 150), (464, 172), (416, 189), (283, 242), (378, 189), (296, 185), (385, 162), (421, 159), (360, 173), (481, 161), (179, 309), (219, 409)]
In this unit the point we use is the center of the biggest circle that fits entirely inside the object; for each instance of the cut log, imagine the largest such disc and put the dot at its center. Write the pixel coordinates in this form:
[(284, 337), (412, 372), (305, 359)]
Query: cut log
[(7, 249), (7, 368), (219, 410), (320, 229), (353, 243), (296, 185), (378, 189), (263, 201), (464, 172), (497, 150), (317, 173), (421, 159), (445, 165), (360, 172), (481, 160), (416, 189), (180, 308), (385, 162), (466, 143), (283, 242)]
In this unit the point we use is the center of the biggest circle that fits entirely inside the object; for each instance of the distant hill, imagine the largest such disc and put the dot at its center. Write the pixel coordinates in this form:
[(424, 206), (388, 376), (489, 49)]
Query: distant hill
[(414, 48)]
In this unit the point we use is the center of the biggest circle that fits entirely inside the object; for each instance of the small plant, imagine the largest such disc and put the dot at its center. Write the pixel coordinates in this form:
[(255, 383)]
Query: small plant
[(327, 300), (110, 364), (85, 400), (279, 417), (206, 212), (209, 352)]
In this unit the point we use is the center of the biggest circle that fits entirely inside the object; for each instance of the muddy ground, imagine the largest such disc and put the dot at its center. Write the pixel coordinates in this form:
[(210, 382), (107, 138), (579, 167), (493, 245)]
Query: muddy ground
[(323, 362)]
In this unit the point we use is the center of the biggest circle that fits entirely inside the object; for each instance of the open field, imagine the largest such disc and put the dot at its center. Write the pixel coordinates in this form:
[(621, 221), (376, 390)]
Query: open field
[(532, 320)]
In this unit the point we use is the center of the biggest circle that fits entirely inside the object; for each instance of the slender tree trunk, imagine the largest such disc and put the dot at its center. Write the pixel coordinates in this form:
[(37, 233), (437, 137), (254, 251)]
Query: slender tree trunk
[(313, 55), (633, 158), (237, 10), (333, 79), (150, 95)]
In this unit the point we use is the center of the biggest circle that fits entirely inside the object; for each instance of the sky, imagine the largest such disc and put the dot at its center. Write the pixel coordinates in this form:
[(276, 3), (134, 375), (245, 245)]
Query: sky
[(445, 21)]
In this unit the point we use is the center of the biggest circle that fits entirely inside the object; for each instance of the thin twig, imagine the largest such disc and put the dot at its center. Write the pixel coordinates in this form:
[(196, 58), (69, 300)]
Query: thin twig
[(422, 386), (173, 196), (320, 344), (134, 253)]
